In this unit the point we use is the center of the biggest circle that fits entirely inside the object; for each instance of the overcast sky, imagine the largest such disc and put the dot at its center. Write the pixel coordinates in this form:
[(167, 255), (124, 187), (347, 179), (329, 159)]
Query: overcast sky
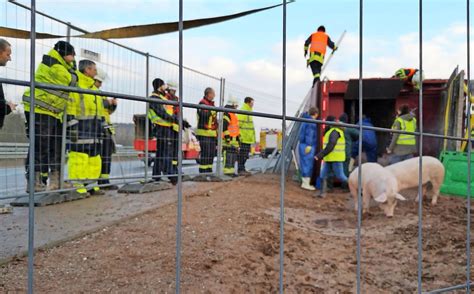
[(247, 51)]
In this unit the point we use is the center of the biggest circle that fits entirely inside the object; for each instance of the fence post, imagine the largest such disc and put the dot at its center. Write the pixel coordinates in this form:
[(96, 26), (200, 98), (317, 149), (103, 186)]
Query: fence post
[(219, 131), (62, 167), (31, 162), (147, 123)]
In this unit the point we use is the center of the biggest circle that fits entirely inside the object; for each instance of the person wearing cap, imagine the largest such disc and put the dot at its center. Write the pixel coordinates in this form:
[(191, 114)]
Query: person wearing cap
[(85, 129), (231, 137), (206, 132), (57, 68), (247, 134), (166, 127), (316, 45), (108, 144)]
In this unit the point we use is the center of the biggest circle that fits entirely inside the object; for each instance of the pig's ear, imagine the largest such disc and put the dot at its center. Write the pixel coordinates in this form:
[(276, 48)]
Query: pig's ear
[(400, 197), (381, 198)]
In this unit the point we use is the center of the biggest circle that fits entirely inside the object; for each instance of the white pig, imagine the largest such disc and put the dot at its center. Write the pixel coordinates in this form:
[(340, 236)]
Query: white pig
[(407, 172), (377, 182)]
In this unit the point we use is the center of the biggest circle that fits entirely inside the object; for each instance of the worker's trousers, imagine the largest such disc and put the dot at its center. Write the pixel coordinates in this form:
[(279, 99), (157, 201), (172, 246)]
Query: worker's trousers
[(84, 165), (244, 152), (166, 154), (208, 152), (336, 167), (106, 151), (47, 148), (316, 69), (230, 157)]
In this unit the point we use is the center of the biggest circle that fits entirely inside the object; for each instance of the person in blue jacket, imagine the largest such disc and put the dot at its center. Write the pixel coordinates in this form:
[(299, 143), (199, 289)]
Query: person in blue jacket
[(369, 142), (308, 140)]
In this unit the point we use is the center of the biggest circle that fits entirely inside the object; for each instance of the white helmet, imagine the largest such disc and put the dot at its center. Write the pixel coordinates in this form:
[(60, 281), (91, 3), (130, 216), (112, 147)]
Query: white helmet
[(232, 101), (101, 75), (172, 85)]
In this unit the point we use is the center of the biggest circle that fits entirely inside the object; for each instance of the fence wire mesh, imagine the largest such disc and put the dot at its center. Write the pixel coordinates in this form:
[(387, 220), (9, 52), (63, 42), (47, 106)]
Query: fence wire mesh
[(135, 148)]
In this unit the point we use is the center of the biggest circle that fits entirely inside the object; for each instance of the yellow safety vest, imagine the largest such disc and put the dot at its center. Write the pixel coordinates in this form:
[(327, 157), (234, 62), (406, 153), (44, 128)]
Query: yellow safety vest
[(338, 154), (408, 126), (156, 119), (52, 70), (247, 129), (86, 106)]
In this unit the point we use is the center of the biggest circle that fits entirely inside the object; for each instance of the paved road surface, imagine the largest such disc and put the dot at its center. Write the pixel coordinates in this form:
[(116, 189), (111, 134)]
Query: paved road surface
[(12, 179), (71, 219)]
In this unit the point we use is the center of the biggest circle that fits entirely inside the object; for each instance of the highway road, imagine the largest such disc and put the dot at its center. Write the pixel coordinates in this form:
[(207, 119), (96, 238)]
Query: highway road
[(12, 179)]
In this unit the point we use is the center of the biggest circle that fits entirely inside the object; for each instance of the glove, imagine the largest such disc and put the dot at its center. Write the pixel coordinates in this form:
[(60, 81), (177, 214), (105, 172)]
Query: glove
[(335, 48), (307, 149), (186, 125)]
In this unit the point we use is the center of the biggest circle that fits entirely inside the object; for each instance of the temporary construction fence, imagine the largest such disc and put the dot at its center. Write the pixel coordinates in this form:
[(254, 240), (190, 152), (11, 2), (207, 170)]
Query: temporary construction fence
[(130, 74)]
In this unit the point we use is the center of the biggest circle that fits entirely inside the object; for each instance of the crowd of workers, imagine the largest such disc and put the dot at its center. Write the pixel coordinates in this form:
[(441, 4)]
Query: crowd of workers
[(89, 130), (340, 146)]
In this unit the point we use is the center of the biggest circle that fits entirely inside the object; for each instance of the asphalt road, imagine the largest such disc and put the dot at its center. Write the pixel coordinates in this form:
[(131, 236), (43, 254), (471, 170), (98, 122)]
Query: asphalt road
[(12, 179)]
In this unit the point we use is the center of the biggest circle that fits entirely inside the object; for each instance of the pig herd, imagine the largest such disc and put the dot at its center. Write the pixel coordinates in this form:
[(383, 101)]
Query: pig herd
[(383, 184)]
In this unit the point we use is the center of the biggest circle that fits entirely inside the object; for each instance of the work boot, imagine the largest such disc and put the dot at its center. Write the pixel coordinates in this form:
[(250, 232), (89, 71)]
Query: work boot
[(109, 186), (39, 187), (324, 189), (244, 173), (54, 182), (96, 191), (305, 184)]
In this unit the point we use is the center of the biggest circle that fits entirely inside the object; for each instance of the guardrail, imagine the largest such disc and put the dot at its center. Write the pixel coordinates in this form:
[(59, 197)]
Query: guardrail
[(20, 150)]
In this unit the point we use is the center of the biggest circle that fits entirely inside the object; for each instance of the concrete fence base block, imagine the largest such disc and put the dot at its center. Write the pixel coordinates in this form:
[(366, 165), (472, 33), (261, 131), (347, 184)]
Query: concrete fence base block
[(41, 200), (211, 178), (139, 188)]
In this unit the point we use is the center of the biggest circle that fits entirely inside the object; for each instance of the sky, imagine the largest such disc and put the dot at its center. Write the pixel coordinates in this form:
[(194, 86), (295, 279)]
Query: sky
[(247, 52)]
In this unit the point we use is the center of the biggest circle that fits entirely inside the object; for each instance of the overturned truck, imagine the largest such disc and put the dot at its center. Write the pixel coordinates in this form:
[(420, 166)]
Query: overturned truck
[(445, 112)]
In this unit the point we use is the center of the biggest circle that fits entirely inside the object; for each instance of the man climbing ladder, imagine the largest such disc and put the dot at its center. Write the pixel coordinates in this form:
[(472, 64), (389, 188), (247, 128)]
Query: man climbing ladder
[(317, 43)]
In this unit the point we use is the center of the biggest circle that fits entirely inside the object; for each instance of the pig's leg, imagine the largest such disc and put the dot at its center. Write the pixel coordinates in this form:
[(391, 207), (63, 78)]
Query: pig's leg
[(423, 192), (436, 187), (366, 201)]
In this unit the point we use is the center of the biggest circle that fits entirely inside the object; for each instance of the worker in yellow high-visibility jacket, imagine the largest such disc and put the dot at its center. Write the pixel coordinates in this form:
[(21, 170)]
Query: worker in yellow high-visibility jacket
[(333, 154), (85, 128), (166, 128), (247, 134), (57, 68), (403, 146), (108, 145)]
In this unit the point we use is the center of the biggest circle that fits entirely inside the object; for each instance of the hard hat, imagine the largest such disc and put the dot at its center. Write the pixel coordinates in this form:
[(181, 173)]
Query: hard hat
[(232, 101), (172, 85), (101, 75)]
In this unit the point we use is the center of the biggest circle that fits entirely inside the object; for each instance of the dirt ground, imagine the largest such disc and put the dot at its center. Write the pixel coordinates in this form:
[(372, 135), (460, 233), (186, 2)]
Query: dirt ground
[(230, 245)]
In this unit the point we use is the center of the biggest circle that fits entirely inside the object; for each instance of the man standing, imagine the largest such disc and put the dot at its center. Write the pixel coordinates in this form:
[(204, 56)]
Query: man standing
[(317, 43), (58, 68), (403, 146), (308, 142), (108, 144), (247, 134), (5, 56), (334, 156), (85, 120), (166, 131), (206, 132), (231, 136)]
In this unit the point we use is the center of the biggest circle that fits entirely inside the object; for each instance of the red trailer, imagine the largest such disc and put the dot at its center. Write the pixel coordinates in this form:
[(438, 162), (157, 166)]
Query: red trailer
[(381, 99)]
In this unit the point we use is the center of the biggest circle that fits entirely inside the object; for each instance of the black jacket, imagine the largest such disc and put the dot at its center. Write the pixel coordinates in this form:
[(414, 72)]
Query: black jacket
[(330, 146), (4, 107)]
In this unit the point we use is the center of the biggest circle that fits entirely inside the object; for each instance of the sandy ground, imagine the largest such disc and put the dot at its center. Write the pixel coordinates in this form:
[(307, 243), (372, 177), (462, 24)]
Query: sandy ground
[(230, 245)]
